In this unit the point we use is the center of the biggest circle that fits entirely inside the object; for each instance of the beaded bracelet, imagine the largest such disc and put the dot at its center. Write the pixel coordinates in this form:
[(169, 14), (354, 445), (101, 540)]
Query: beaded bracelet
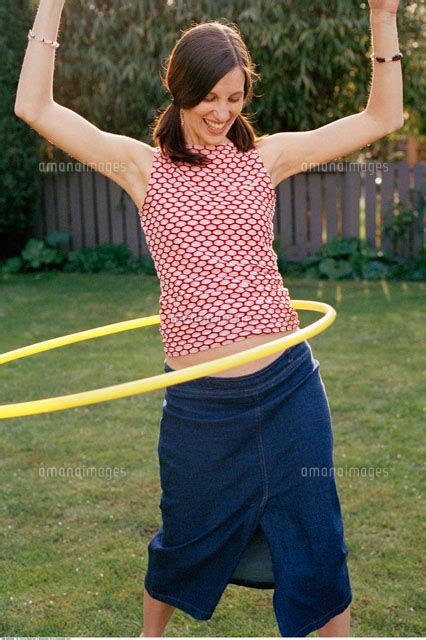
[(52, 43), (397, 56)]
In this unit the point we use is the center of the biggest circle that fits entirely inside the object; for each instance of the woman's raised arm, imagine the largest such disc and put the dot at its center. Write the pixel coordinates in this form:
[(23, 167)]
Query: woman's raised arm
[(125, 160), (296, 151), (35, 87)]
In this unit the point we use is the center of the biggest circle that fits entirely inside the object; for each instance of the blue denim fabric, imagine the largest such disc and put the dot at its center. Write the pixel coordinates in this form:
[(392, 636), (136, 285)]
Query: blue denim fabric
[(244, 454)]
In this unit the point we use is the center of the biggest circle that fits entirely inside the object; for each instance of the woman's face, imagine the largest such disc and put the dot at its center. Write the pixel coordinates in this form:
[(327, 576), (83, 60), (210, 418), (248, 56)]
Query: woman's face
[(221, 106)]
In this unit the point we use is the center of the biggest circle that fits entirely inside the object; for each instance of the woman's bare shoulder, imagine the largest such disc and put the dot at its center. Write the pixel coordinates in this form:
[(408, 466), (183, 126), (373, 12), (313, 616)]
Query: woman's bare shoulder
[(142, 156), (266, 149)]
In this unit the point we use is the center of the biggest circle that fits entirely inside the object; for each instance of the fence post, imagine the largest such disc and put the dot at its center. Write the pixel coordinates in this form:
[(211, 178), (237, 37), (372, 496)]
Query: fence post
[(96, 210)]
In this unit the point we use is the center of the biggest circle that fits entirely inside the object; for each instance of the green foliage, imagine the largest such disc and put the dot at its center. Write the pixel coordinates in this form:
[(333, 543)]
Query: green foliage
[(112, 258), (404, 218), (354, 259), (338, 259), (335, 269), (46, 254), (20, 180), (13, 265), (312, 57), (36, 254)]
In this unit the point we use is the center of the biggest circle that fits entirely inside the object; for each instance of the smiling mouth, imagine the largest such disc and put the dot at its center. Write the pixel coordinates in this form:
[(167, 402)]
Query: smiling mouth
[(214, 129)]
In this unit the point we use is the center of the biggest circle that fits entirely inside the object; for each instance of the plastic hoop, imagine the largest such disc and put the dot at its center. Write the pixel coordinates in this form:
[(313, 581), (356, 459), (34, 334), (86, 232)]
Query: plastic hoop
[(152, 383)]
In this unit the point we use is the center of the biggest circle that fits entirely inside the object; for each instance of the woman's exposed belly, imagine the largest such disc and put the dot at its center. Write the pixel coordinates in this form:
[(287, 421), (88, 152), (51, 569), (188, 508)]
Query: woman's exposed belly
[(180, 362)]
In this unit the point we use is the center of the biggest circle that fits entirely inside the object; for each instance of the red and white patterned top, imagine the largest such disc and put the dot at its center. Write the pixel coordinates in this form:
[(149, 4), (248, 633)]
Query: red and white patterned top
[(209, 231)]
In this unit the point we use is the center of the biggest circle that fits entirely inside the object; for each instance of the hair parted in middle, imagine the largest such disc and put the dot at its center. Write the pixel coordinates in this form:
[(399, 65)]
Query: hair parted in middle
[(204, 53)]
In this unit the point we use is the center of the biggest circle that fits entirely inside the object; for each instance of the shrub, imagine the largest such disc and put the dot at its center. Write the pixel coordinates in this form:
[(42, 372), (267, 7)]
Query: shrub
[(339, 259), (353, 259), (47, 254), (114, 258), (20, 180)]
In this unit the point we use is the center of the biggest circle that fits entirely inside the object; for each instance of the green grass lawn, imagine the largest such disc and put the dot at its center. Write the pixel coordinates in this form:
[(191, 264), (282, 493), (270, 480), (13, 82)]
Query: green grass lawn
[(73, 547)]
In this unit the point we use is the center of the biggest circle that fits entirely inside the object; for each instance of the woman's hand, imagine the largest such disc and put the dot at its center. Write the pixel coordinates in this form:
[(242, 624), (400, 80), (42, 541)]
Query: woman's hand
[(384, 6)]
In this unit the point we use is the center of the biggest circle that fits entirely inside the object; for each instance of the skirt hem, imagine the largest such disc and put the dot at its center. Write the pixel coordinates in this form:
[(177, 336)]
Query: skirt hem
[(187, 607), (320, 622)]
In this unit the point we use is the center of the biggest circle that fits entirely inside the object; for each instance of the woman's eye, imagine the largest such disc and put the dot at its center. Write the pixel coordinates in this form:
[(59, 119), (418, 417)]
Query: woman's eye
[(211, 100)]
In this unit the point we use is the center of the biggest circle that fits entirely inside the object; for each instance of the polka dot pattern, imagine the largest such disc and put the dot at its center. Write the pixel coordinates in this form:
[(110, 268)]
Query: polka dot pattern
[(209, 231)]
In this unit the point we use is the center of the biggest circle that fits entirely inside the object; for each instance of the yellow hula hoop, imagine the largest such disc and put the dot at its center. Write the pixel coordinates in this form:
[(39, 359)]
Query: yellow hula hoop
[(154, 382)]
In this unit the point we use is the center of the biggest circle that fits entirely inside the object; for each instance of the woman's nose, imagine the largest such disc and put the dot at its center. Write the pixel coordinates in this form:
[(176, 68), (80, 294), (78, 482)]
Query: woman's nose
[(221, 116)]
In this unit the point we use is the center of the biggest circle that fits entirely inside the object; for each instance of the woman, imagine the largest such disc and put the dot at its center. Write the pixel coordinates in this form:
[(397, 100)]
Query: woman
[(236, 449)]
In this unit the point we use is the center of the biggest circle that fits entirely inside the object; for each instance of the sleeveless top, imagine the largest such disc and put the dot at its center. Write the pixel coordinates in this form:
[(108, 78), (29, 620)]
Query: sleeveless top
[(209, 231)]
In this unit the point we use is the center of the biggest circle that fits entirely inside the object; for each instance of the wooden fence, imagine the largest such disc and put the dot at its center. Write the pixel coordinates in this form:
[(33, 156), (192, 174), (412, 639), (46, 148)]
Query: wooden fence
[(311, 208)]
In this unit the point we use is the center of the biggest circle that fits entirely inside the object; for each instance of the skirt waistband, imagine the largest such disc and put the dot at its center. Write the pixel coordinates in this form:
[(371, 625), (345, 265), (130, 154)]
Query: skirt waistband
[(249, 381)]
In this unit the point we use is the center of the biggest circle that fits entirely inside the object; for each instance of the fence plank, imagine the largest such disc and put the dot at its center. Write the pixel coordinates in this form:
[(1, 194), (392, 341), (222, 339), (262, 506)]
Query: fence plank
[(419, 171), (39, 219), (370, 189), (51, 201), (62, 210), (117, 213), (88, 204), (300, 217), (102, 207), (330, 187), (76, 226), (37, 230), (387, 203), (351, 194), (287, 230), (405, 247), (134, 233), (88, 209), (315, 211)]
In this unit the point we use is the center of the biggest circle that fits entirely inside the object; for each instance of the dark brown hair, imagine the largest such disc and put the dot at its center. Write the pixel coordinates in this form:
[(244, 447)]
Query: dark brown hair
[(203, 54)]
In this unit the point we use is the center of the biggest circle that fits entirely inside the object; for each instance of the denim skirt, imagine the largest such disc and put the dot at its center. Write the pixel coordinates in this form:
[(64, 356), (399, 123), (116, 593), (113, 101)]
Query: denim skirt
[(246, 472)]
